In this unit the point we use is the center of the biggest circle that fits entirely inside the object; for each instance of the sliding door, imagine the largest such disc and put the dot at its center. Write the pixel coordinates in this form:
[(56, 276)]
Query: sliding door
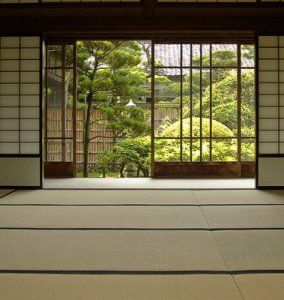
[(203, 122), (20, 113), (270, 154), (60, 117)]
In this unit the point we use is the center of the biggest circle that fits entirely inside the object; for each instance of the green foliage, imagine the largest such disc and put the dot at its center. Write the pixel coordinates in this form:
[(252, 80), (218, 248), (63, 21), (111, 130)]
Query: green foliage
[(223, 58), (169, 149), (218, 129), (224, 100), (110, 73), (124, 121), (129, 154), (134, 153), (106, 162), (224, 109)]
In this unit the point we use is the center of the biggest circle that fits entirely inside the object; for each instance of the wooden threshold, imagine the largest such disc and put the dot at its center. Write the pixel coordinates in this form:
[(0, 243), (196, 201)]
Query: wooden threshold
[(204, 170)]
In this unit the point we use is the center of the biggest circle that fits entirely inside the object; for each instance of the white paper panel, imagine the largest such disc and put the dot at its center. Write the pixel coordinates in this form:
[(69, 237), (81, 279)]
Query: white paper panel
[(269, 76), (270, 90), (271, 111), (19, 95), (12, 148), (268, 112), (29, 136), (29, 148), (270, 100), (9, 136), (29, 100), (20, 171), (9, 42), (9, 112), (30, 77), (268, 136), (271, 171)]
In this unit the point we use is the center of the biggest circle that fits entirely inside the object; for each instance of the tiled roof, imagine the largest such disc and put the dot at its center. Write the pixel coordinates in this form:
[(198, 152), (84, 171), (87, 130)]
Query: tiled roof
[(169, 55)]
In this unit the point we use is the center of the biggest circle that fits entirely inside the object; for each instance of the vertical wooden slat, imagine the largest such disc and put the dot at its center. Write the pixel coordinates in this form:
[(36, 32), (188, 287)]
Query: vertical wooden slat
[(239, 108), (181, 103), (74, 110), (152, 108), (63, 105), (191, 104), (200, 104), (210, 113)]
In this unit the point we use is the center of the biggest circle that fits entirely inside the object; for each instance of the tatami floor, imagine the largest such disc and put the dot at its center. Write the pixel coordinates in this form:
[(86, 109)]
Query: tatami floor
[(148, 183), (141, 244)]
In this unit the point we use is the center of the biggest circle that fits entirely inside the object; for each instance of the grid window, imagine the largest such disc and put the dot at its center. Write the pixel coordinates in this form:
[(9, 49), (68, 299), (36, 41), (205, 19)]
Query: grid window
[(19, 95), (59, 133), (204, 103), (271, 92)]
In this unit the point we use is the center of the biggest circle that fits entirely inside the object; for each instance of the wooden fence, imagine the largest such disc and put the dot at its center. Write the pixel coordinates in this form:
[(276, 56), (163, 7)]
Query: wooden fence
[(103, 138)]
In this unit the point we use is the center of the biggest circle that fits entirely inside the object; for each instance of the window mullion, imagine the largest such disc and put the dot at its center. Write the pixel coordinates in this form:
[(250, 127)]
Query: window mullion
[(239, 107), (210, 83)]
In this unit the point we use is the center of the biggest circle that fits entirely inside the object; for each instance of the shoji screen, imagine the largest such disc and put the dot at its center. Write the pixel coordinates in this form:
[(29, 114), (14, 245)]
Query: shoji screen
[(20, 111), (271, 111)]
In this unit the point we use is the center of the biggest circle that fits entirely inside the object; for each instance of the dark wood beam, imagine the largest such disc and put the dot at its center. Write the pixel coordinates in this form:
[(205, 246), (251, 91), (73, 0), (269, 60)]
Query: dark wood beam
[(140, 19)]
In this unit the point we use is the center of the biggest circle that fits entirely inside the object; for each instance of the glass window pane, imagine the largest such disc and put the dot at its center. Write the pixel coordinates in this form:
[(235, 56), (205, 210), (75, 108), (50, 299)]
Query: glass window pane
[(167, 102), (224, 102), (186, 150), (59, 150), (248, 104), (167, 150), (54, 56), (224, 55), (196, 54), (167, 55), (186, 55), (205, 150), (196, 150), (248, 149), (69, 103), (69, 55), (224, 150), (248, 56)]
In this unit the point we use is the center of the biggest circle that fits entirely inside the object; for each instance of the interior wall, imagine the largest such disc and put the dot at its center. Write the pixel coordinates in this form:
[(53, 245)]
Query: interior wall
[(20, 128), (270, 111)]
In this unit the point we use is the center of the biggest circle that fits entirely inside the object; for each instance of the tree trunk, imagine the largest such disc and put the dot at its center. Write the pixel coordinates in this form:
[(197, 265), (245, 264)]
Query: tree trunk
[(121, 171), (87, 138)]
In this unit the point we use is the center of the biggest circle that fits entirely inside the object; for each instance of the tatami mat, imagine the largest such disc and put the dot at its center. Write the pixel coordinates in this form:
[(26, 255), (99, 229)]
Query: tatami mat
[(100, 197), (4, 192), (136, 231), (252, 249), (244, 216), (148, 183), (261, 286), (239, 197), (109, 250), (80, 287), (102, 217)]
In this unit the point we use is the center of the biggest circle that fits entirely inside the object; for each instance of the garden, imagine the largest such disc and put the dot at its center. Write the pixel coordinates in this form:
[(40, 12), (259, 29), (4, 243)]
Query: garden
[(114, 80)]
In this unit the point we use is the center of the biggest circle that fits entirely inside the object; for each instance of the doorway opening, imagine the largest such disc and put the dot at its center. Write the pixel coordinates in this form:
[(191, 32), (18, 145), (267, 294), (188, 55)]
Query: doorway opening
[(145, 109)]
